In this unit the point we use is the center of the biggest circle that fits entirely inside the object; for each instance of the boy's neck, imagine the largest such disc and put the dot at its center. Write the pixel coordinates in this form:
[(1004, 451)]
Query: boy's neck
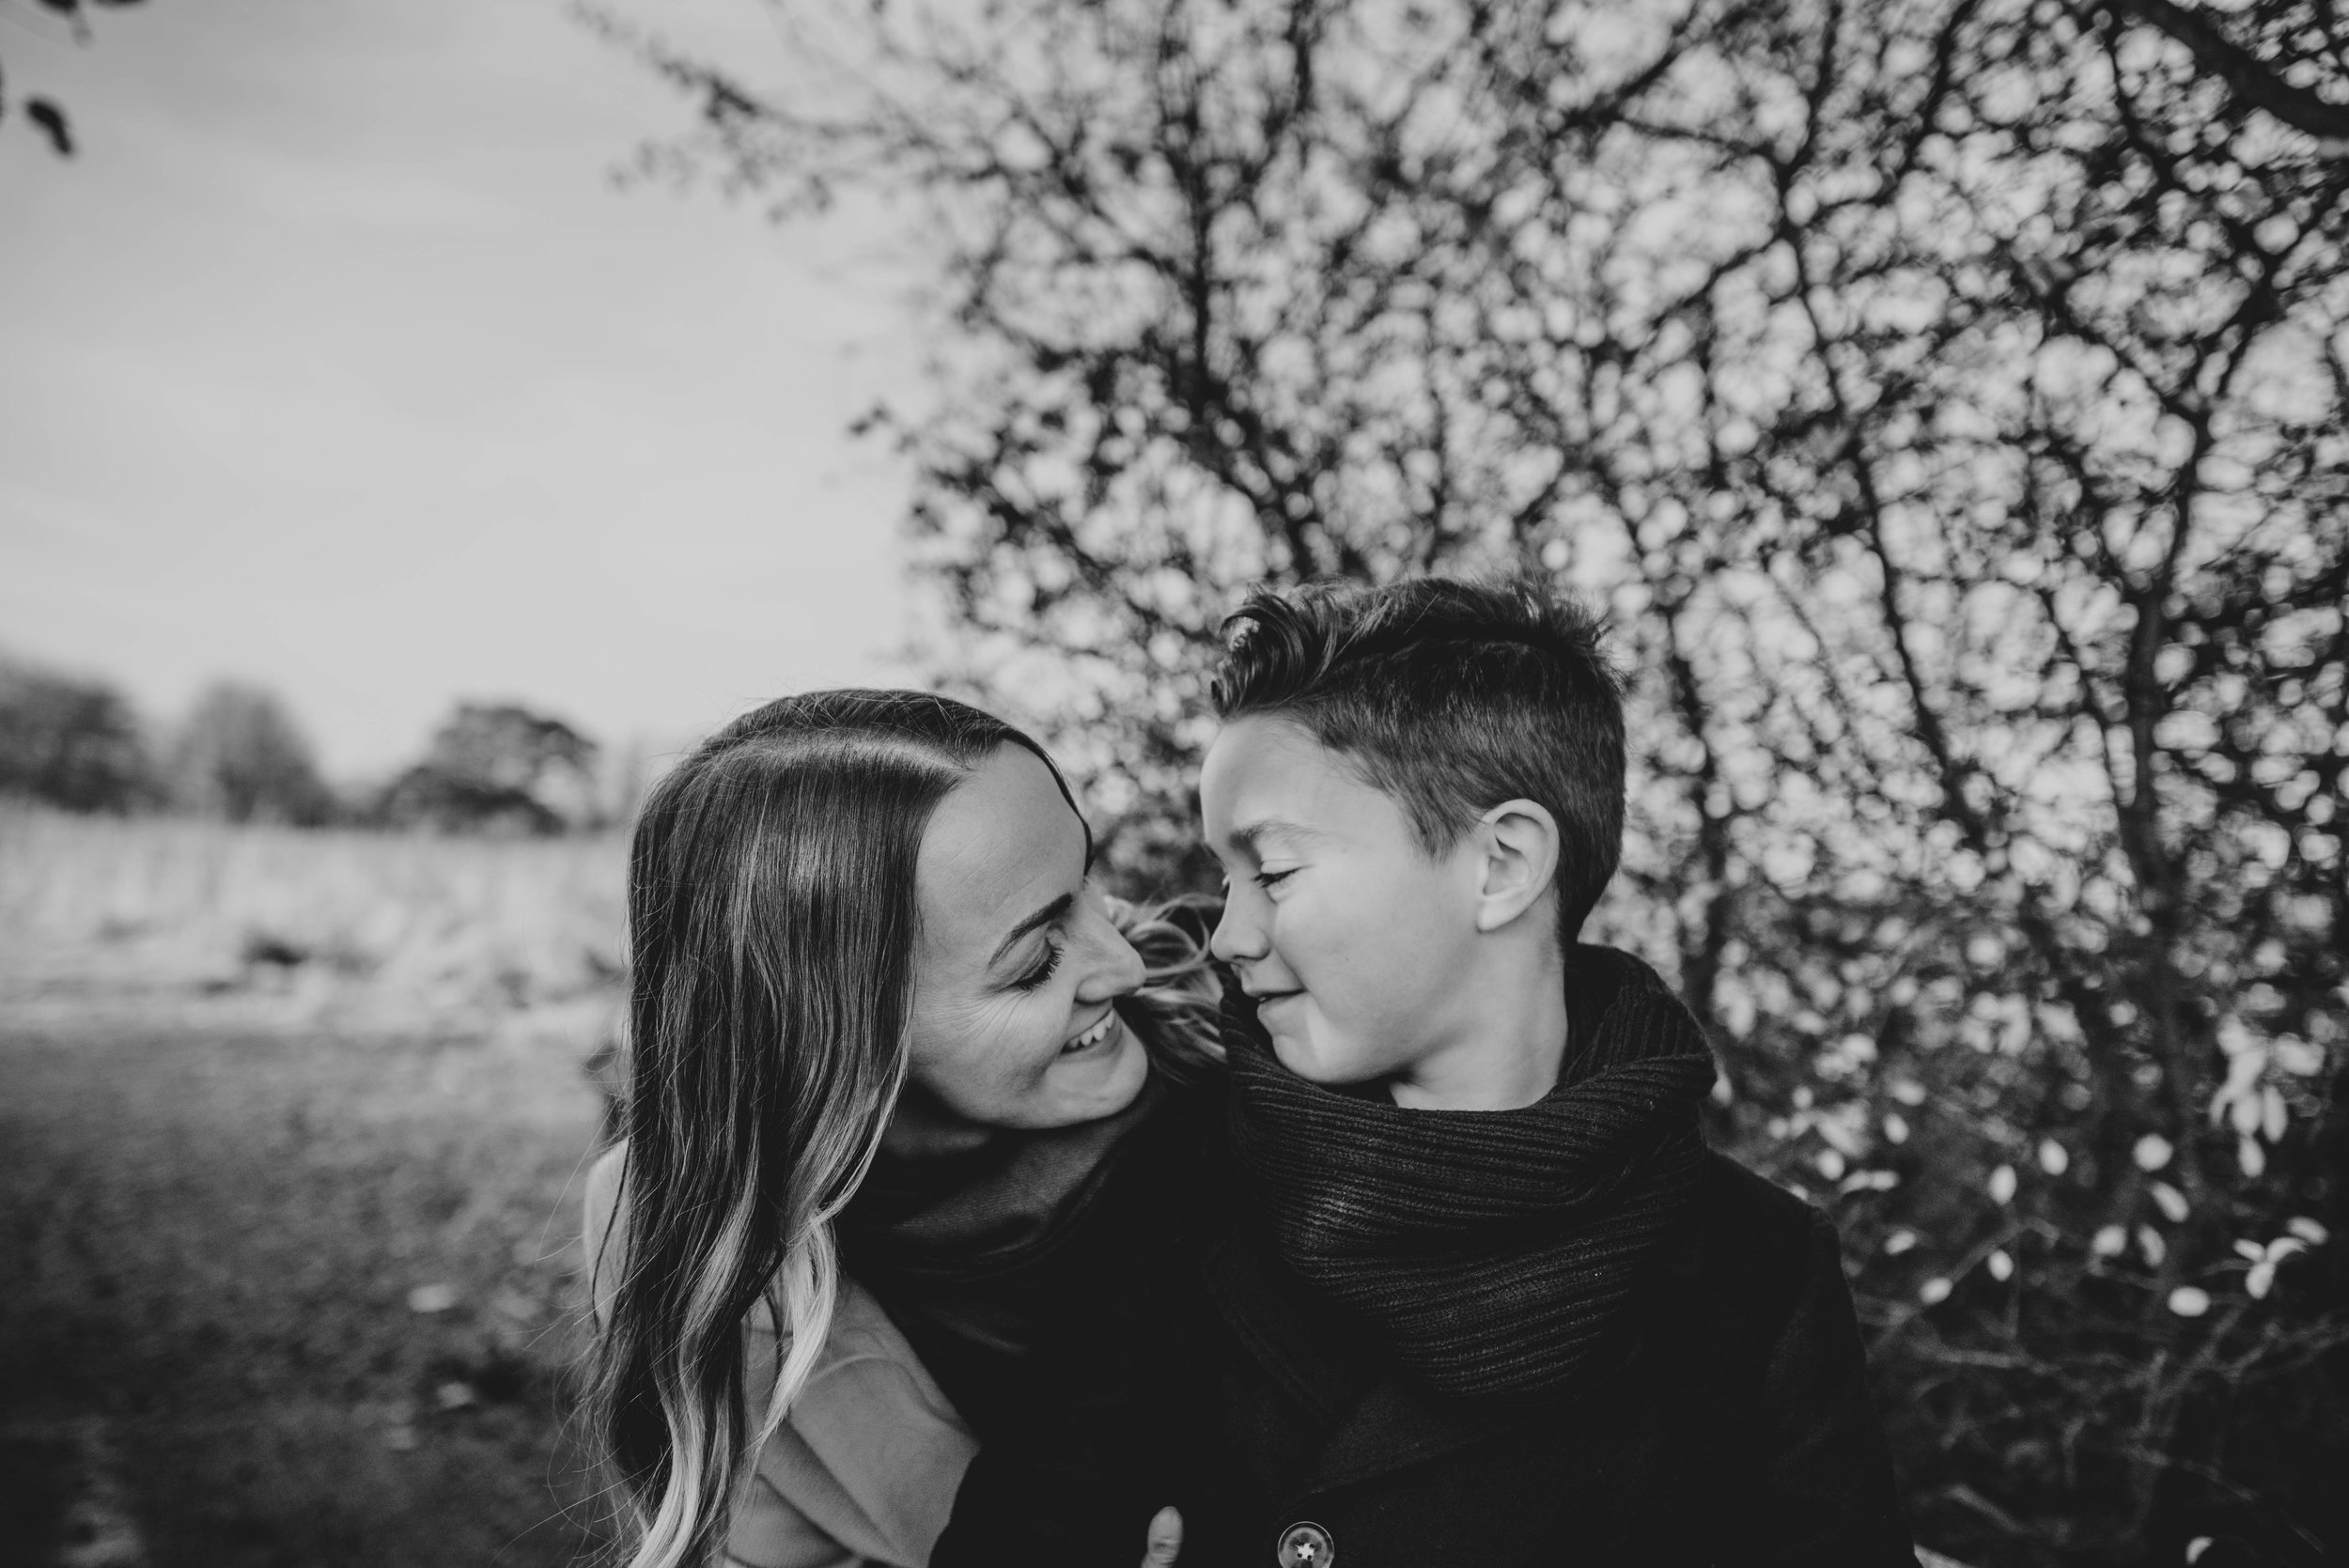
[(1509, 1052)]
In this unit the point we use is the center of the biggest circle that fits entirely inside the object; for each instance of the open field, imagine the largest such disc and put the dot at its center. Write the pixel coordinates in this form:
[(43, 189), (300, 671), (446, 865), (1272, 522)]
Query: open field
[(387, 928), (289, 1160)]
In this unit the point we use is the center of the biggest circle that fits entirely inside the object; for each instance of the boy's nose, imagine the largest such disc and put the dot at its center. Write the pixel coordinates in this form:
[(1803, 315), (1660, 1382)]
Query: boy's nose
[(1237, 937)]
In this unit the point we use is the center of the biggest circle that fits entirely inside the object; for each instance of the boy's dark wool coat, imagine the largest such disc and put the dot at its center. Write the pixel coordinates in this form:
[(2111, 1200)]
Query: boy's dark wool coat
[(1727, 1422)]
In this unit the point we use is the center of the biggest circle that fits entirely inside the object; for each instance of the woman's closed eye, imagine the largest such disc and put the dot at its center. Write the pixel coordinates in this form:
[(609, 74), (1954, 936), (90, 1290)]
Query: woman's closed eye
[(1270, 879), (1046, 965)]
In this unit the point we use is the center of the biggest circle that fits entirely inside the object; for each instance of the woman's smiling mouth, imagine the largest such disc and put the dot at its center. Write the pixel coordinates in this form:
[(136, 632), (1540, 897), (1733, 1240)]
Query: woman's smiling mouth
[(1093, 1036)]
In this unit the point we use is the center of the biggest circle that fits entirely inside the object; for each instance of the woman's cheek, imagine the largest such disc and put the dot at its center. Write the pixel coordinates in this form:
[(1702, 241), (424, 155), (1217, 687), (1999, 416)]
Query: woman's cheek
[(1025, 1039), (987, 1060)]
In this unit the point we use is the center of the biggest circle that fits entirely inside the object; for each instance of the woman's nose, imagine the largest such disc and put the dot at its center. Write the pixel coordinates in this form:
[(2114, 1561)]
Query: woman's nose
[(1116, 968)]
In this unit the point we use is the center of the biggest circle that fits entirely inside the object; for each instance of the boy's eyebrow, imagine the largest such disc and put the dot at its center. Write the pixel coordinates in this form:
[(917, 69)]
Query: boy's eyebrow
[(1251, 838), (1041, 918)]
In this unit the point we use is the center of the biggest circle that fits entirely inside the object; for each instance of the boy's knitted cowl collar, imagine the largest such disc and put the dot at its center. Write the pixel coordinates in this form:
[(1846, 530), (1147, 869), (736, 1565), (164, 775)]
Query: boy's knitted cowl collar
[(1489, 1248)]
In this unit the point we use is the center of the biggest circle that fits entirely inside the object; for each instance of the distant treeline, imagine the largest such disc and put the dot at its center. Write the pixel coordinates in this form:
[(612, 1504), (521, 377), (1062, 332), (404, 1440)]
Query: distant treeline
[(239, 754)]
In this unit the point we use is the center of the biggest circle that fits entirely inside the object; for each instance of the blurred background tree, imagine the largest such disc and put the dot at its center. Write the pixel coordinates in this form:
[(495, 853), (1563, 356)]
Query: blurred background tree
[(239, 754), (498, 767), (1949, 399), (70, 743), (44, 114)]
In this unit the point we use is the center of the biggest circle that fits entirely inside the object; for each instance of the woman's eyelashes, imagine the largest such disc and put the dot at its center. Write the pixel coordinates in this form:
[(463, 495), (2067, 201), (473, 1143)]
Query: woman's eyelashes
[(1042, 969)]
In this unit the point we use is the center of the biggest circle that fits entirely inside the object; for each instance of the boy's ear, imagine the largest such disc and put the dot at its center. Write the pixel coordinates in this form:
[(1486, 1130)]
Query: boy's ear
[(1520, 841)]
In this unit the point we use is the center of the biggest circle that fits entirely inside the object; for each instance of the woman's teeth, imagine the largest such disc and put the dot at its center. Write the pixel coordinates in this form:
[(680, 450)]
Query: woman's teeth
[(1093, 1036)]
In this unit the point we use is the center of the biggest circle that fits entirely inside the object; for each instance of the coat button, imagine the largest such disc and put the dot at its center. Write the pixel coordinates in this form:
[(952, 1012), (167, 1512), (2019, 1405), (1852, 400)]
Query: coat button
[(1306, 1545)]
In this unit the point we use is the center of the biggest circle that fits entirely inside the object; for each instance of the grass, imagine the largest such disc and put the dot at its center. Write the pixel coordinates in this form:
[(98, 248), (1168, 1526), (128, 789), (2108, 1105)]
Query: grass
[(422, 925), (231, 1173)]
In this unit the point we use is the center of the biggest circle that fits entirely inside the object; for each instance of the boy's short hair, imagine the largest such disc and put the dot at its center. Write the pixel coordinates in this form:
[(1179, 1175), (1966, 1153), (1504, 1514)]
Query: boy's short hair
[(1451, 697)]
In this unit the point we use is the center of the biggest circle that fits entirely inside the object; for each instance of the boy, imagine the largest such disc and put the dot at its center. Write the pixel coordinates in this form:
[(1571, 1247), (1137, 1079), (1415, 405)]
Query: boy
[(1480, 1294)]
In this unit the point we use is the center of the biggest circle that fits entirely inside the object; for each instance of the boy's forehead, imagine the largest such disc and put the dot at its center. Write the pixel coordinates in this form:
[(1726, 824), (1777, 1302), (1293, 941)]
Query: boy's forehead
[(1266, 778)]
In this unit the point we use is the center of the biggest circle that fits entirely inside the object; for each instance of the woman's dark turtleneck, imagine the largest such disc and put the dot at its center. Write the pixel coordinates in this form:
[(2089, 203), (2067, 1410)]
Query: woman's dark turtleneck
[(968, 1241), (1025, 1269)]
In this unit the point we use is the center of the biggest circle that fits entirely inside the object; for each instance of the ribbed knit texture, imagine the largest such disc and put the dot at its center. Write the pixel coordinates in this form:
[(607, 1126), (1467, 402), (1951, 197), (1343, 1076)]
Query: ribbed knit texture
[(982, 1243), (1491, 1249)]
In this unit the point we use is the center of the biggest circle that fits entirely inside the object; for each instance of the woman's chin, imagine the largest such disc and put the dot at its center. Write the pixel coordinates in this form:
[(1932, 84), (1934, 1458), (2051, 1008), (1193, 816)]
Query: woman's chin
[(1099, 1081)]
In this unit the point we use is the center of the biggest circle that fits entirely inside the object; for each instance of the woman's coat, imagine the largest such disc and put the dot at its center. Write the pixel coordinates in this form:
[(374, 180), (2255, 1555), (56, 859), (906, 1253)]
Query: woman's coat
[(863, 1472)]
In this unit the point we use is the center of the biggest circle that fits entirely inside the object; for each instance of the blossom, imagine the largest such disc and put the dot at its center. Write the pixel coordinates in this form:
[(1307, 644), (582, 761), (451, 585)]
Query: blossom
[(2262, 1277)]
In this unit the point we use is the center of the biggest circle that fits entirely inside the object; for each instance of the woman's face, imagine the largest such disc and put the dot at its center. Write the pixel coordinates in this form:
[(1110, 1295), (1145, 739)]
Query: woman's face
[(1016, 966)]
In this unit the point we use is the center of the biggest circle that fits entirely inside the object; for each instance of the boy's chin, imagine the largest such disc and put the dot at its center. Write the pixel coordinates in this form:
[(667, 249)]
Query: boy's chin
[(1318, 1063)]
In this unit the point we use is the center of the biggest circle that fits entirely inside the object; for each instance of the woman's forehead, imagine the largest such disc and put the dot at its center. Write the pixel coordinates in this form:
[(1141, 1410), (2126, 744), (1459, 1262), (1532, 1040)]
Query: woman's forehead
[(1003, 840)]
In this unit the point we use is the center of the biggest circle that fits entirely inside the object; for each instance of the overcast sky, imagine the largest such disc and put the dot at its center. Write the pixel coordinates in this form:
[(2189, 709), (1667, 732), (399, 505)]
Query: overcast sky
[(336, 361)]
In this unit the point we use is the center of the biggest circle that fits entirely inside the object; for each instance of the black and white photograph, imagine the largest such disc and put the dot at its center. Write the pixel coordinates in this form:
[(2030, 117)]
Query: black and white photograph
[(1211, 783)]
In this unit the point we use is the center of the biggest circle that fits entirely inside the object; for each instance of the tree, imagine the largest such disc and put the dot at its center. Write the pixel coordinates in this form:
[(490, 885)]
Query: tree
[(498, 767), (1948, 398), (45, 115), (70, 742), (241, 755)]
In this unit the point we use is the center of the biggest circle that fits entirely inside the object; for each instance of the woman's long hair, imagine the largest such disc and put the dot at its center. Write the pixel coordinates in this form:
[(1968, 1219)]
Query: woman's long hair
[(771, 920)]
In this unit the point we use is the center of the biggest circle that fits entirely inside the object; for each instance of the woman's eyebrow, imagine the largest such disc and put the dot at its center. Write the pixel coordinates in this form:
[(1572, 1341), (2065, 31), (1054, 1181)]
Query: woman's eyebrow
[(1057, 910)]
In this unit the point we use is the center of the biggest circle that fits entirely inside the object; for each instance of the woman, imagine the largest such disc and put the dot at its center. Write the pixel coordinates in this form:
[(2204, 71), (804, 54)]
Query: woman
[(864, 940)]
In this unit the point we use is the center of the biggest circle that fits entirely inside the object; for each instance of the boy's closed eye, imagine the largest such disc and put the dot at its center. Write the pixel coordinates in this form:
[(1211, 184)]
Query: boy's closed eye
[(1266, 877)]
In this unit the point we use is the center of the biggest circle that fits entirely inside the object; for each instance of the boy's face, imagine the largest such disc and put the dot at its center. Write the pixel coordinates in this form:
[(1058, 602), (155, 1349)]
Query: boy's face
[(1352, 938)]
